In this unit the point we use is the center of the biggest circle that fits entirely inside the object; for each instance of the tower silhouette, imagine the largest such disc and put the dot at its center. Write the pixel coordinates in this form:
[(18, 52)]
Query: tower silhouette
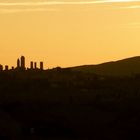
[(22, 62), (1, 67), (31, 65), (41, 65), (18, 63), (6, 67)]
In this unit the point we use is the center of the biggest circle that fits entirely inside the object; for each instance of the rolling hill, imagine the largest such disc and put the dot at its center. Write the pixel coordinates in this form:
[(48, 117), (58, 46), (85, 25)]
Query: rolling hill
[(124, 67)]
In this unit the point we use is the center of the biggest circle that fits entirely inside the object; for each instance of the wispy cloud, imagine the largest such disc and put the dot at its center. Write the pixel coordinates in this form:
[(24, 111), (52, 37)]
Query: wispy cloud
[(130, 7), (17, 10), (45, 3), (15, 7)]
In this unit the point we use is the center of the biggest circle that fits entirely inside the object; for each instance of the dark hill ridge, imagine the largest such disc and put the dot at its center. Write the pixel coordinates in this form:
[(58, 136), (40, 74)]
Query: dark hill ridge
[(124, 67)]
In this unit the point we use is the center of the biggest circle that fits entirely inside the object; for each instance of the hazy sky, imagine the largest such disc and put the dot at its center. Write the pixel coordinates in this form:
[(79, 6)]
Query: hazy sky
[(69, 32)]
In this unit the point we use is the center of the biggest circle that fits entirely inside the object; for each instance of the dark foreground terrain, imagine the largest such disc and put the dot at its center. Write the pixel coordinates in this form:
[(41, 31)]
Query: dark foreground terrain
[(67, 105)]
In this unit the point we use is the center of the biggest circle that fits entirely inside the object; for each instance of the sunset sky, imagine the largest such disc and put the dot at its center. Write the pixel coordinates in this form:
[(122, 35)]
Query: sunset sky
[(69, 32)]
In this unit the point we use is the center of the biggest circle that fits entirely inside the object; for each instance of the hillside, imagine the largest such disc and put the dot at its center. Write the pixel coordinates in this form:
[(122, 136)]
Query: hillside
[(125, 67)]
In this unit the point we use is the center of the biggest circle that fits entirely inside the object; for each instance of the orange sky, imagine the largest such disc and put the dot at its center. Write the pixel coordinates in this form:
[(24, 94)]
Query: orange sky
[(68, 33)]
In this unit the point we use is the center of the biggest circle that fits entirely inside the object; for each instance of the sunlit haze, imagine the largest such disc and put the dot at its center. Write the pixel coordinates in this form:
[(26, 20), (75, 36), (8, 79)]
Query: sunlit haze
[(68, 33)]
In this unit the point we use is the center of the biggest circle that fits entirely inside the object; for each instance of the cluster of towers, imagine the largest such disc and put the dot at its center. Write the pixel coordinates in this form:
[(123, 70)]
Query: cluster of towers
[(33, 65), (21, 65)]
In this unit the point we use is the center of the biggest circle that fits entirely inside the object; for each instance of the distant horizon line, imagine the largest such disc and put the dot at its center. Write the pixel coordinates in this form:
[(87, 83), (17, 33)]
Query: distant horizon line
[(52, 67)]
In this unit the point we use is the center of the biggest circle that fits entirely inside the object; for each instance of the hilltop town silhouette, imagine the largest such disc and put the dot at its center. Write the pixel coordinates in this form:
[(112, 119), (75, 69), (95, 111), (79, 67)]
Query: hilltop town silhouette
[(21, 65), (79, 103)]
